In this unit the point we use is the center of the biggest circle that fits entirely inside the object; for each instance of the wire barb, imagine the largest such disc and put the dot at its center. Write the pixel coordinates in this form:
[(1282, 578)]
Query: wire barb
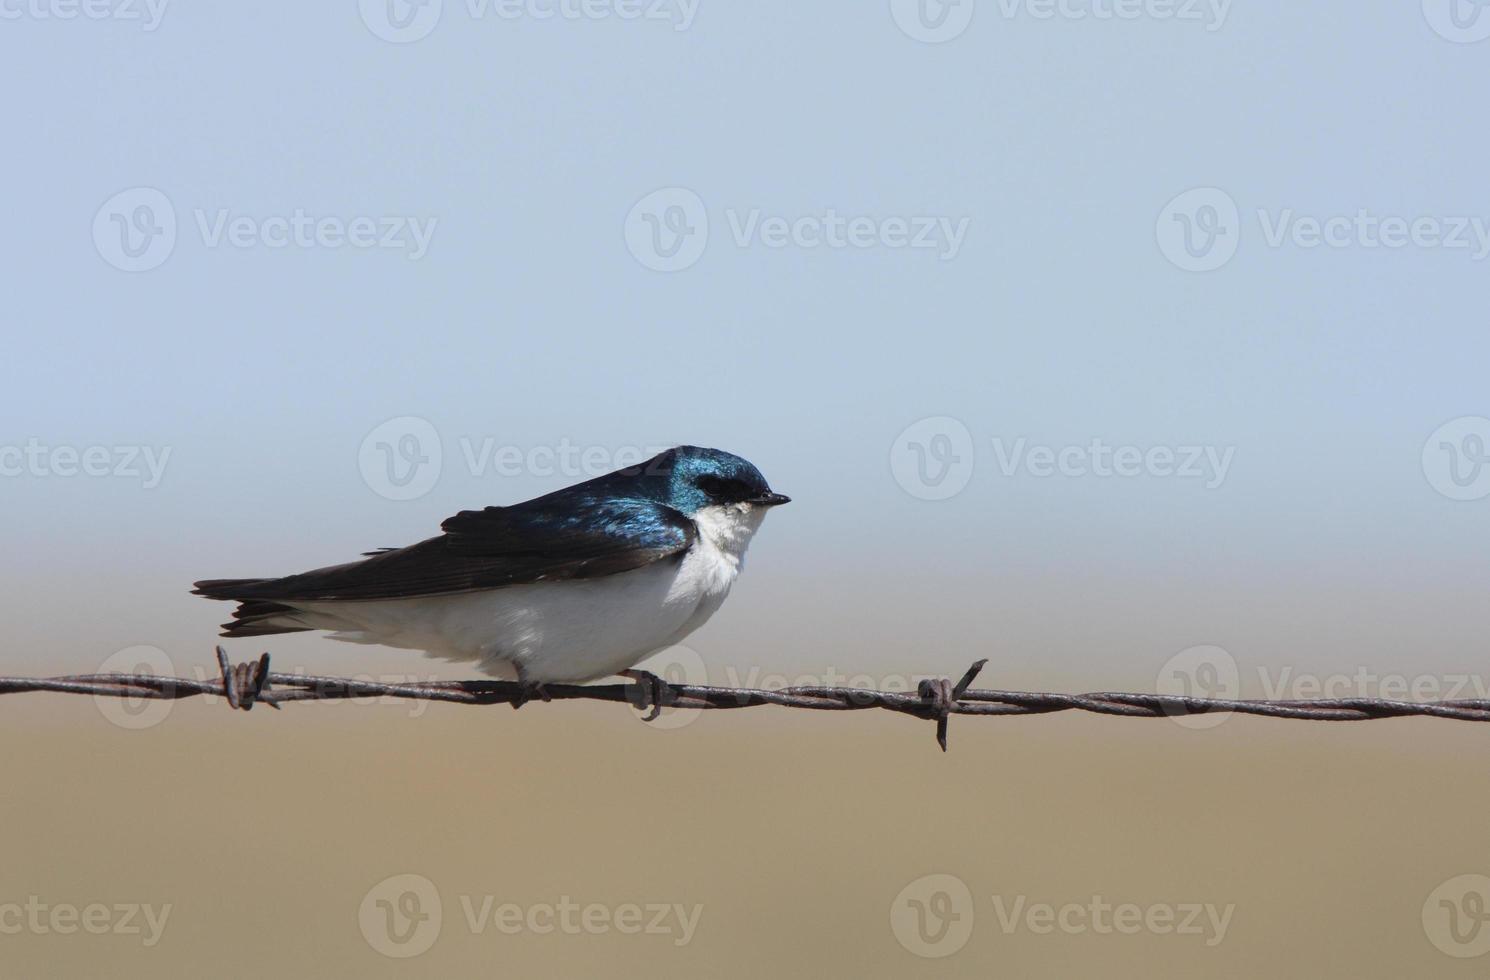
[(941, 696), (243, 685)]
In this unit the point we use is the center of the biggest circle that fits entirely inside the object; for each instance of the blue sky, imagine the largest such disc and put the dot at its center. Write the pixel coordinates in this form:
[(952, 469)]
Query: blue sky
[(446, 229)]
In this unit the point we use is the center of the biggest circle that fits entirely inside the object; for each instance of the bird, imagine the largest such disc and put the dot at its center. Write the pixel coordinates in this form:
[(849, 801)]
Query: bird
[(570, 587)]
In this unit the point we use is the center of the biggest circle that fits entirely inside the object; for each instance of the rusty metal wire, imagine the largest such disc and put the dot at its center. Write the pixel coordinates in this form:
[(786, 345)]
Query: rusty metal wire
[(244, 685)]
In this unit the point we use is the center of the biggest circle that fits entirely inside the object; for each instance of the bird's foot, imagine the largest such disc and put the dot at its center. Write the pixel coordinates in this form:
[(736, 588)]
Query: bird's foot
[(650, 690), (529, 690)]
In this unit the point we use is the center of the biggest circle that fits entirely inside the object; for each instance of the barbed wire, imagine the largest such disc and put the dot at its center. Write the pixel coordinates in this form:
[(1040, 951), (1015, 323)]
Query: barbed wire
[(246, 684)]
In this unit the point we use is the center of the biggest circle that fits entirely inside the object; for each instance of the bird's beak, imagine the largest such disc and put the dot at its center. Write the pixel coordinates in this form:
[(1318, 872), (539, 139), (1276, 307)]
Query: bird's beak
[(771, 499)]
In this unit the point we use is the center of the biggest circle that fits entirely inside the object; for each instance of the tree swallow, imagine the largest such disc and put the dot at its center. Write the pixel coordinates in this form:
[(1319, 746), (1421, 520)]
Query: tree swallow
[(576, 585)]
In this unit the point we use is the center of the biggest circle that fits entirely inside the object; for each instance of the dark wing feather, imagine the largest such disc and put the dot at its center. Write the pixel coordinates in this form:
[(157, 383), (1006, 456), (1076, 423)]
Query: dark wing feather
[(537, 541)]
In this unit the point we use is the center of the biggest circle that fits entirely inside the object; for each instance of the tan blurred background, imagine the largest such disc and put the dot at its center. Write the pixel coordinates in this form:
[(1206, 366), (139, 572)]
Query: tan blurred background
[(795, 833)]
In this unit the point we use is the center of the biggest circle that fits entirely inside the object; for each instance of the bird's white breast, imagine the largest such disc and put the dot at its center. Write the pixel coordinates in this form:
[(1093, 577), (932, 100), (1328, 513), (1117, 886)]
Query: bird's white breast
[(569, 631)]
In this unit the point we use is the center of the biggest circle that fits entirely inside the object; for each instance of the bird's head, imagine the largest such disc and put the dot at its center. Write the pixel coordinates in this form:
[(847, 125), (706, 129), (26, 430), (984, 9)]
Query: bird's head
[(699, 479), (725, 495)]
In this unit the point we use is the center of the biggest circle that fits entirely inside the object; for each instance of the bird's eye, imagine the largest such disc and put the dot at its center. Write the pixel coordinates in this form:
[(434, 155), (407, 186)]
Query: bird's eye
[(720, 488)]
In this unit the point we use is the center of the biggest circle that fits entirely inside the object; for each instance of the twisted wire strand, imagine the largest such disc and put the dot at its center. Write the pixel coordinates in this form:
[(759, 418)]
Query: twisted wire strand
[(246, 684)]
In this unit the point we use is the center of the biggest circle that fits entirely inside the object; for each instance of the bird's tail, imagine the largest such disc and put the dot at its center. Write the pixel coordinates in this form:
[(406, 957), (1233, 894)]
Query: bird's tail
[(253, 617)]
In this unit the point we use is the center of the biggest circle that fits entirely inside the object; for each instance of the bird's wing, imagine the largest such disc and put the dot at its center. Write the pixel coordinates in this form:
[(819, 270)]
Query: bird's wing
[(538, 541)]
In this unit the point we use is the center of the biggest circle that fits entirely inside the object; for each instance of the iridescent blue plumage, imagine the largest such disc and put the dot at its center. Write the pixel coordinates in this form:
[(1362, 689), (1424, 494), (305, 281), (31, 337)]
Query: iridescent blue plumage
[(613, 523)]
